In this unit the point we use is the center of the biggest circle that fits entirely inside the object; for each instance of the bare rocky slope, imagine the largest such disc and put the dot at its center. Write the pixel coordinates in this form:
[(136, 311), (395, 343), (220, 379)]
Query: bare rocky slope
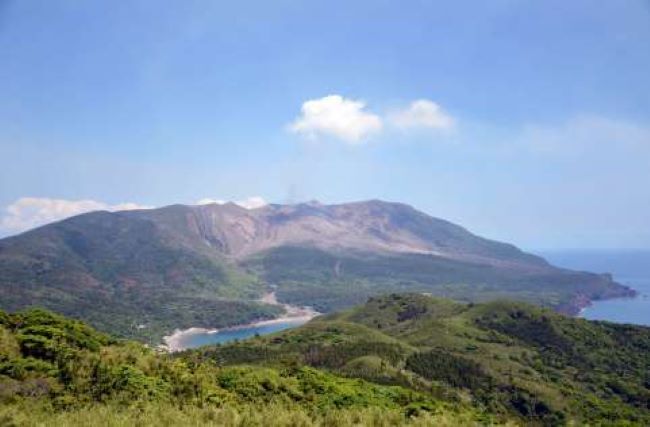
[(141, 273)]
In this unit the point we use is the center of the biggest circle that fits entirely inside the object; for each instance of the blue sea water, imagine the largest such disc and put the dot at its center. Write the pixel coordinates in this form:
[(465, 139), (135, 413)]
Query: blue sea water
[(238, 333), (629, 267)]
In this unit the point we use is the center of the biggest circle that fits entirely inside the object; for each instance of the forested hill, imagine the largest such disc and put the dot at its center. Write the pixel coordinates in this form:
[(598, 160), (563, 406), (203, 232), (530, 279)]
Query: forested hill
[(59, 372), (145, 273), (397, 360), (509, 359)]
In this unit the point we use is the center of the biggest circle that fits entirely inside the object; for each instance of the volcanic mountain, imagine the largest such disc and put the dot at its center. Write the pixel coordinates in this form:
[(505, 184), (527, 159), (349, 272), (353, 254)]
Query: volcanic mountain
[(142, 273)]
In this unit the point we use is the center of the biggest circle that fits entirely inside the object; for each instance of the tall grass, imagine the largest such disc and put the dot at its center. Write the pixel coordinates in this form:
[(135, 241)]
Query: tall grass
[(165, 415)]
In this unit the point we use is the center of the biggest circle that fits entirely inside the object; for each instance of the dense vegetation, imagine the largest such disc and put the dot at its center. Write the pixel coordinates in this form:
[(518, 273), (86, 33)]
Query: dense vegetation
[(508, 359), (334, 281), (397, 360), (56, 371), (124, 275)]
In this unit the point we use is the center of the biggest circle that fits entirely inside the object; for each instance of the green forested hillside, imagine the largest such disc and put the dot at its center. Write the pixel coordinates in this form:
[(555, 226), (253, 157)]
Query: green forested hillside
[(334, 281), (397, 360), (508, 359), (127, 275), (59, 372)]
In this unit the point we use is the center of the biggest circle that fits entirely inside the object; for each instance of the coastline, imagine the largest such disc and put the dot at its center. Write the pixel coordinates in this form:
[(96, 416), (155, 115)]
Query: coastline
[(630, 297), (580, 303), (175, 342), (620, 264)]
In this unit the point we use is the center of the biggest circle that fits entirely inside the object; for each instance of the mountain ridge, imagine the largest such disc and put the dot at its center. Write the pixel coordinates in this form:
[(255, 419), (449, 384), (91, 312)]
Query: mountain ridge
[(162, 267), (316, 224)]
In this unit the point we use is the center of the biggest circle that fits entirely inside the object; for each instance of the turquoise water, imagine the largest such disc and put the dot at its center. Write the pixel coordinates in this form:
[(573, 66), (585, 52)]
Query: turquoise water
[(239, 333), (631, 268)]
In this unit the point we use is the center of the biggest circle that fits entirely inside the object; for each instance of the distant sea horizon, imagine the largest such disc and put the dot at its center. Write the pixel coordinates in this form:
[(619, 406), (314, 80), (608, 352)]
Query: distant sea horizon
[(630, 267)]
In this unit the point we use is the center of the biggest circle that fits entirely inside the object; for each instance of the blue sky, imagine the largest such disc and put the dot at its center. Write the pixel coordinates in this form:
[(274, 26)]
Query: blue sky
[(525, 121)]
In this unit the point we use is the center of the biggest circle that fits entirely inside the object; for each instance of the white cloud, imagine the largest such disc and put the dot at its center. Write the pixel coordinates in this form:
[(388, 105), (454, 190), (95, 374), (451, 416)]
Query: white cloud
[(30, 212), (422, 113), (336, 116), (209, 201), (253, 202)]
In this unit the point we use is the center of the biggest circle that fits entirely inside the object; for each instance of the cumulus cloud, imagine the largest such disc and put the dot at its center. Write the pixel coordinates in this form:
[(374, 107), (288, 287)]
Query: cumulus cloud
[(336, 116), (422, 113), (253, 202), (30, 212)]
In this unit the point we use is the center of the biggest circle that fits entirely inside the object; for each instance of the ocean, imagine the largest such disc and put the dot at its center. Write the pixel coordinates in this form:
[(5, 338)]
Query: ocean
[(629, 267)]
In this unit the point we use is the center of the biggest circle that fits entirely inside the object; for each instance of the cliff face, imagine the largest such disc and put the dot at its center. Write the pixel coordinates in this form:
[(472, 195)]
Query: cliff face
[(157, 264)]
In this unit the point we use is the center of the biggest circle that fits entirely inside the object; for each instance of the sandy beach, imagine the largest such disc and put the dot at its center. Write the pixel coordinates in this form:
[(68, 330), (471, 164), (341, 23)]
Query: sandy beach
[(176, 341)]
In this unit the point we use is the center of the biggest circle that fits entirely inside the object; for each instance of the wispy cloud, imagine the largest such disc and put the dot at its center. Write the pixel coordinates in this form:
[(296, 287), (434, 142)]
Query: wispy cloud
[(253, 202), (209, 201), (422, 113), (585, 133), (30, 212)]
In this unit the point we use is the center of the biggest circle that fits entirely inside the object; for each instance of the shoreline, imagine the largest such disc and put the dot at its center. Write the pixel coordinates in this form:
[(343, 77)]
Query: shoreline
[(583, 309), (174, 342), (580, 304)]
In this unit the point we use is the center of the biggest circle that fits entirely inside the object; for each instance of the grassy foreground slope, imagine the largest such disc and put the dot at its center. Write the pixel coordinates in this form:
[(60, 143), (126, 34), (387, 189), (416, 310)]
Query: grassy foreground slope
[(398, 360), (59, 372), (507, 359)]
